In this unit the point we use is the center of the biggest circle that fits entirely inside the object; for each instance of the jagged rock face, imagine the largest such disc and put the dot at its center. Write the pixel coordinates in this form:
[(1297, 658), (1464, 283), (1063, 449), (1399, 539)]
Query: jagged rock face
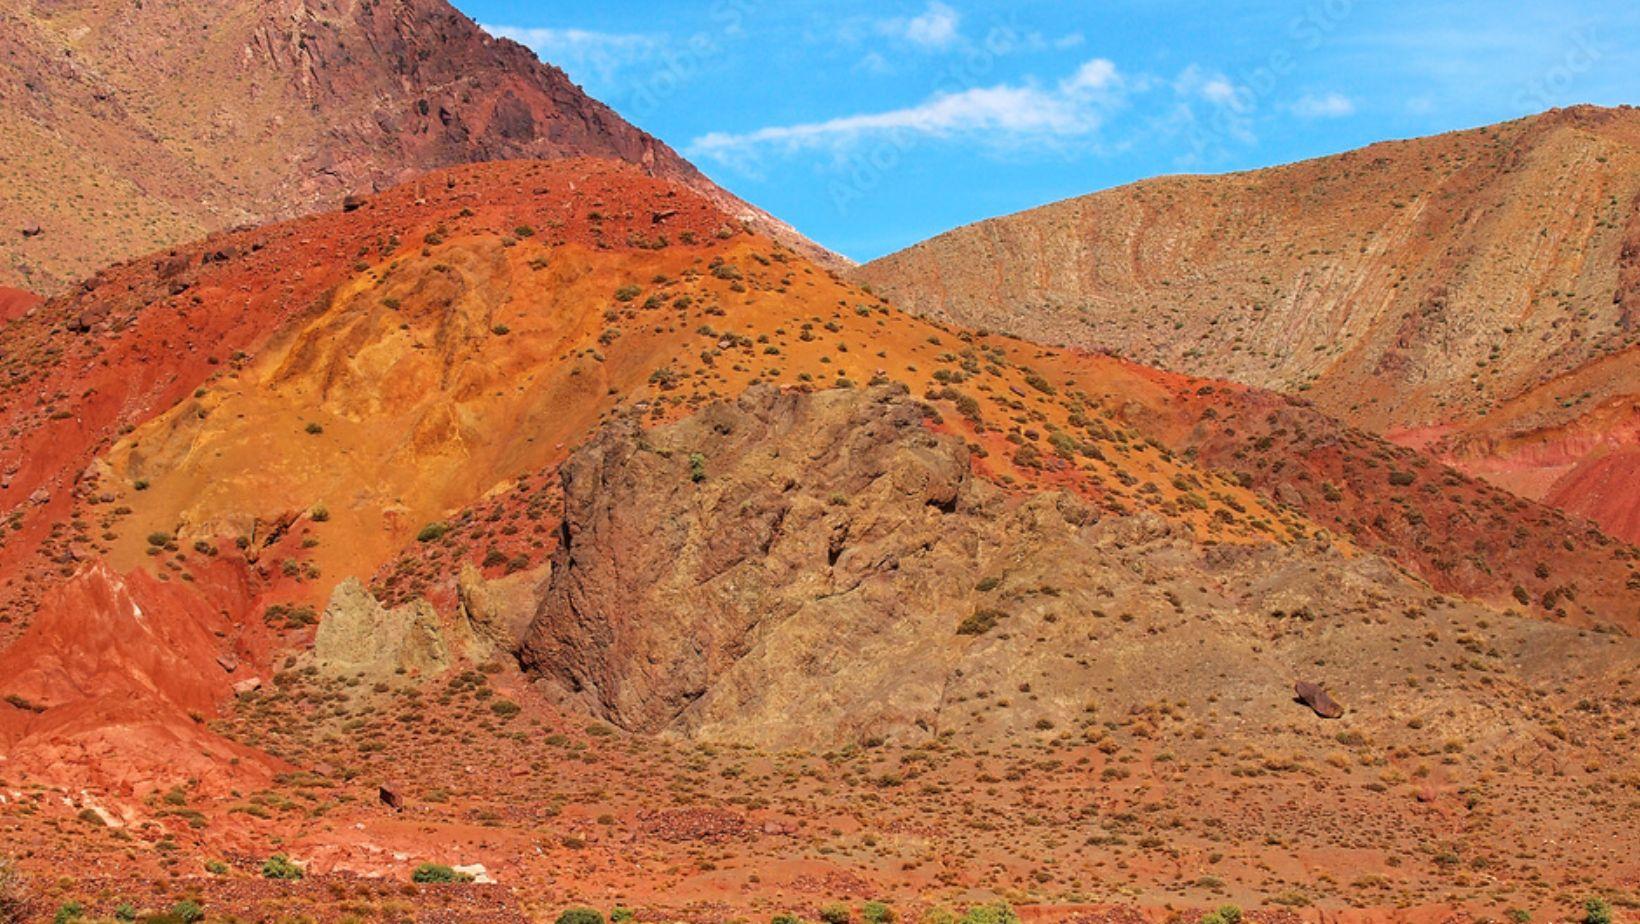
[(359, 637), (129, 127), (797, 570)]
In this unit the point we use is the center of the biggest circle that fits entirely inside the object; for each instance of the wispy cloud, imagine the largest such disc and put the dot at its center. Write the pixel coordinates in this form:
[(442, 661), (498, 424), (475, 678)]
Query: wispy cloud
[(595, 59), (1075, 107), (938, 27), (1323, 106)]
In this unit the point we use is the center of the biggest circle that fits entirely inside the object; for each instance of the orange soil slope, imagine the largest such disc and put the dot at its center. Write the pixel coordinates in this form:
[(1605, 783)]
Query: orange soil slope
[(268, 412)]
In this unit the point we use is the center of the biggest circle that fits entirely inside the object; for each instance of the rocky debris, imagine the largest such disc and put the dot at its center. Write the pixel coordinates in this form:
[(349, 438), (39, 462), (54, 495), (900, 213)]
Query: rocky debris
[(390, 797), (352, 203), (32, 231), (358, 636), (1316, 698), (696, 825)]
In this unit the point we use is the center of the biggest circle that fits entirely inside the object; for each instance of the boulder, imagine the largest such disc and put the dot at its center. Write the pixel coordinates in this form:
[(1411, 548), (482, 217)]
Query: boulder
[(1316, 698)]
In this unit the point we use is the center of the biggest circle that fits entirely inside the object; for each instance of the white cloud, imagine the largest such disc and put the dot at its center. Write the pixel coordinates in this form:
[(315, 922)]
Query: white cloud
[(936, 28), (997, 114), (1097, 74), (1324, 106), (592, 58)]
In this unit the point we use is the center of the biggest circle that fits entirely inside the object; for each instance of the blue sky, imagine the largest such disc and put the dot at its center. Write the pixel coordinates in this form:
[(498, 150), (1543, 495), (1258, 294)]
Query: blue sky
[(873, 125)]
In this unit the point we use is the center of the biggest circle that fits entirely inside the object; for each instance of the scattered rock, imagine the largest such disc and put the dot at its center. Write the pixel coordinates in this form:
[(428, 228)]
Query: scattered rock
[(390, 797), (33, 231), (1316, 698)]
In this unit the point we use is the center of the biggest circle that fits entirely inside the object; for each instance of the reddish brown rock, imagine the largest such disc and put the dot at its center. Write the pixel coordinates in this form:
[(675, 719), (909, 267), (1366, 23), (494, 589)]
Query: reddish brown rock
[(1317, 699)]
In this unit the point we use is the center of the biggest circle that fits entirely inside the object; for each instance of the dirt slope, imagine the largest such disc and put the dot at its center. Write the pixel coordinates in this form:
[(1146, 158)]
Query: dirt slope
[(1404, 287), (128, 127)]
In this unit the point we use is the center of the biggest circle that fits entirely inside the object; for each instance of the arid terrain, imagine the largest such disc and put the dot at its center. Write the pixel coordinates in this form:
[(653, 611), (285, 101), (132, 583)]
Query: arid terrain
[(127, 127), (1476, 294), (296, 496), (426, 497)]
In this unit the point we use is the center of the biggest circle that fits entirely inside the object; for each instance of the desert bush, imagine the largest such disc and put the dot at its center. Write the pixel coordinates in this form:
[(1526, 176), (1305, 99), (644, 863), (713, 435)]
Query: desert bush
[(1226, 914), (188, 911), (280, 866), (835, 913), (1597, 911), (580, 916), (432, 532), (436, 872), (877, 913), (999, 913), (14, 893)]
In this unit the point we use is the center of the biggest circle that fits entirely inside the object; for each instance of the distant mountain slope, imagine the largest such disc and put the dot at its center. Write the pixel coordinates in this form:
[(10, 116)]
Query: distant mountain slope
[(1408, 285), (126, 127)]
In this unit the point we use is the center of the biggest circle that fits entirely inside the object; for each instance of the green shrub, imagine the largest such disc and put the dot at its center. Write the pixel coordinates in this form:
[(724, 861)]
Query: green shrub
[(981, 622), (68, 911), (580, 916), (432, 532), (877, 913), (835, 913), (999, 913), (1226, 914), (620, 915), (125, 912), (216, 867), (697, 467), (187, 911), (785, 919), (1597, 911), (279, 866), (435, 872)]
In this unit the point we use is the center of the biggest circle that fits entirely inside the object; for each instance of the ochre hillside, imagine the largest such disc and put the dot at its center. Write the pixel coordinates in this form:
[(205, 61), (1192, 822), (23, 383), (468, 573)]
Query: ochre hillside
[(131, 126), (1408, 288)]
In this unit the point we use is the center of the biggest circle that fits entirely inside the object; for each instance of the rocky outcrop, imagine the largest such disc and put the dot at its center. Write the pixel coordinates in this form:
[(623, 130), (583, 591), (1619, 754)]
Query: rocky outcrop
[(810, 570), (359, 637)]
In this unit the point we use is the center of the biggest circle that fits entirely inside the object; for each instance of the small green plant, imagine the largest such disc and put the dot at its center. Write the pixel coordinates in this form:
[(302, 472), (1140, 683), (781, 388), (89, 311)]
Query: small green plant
[(999, 913), (216, 867), (785, 919), (581, 916), (1226, 914), (835, 913), (437, 872), (877, 913), (280, 866), (68, 911), (432, 532), (621, 915), (1597, 911), (125, 912), (697, 467), (981, 622), (1518, 915), (187, 911)]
